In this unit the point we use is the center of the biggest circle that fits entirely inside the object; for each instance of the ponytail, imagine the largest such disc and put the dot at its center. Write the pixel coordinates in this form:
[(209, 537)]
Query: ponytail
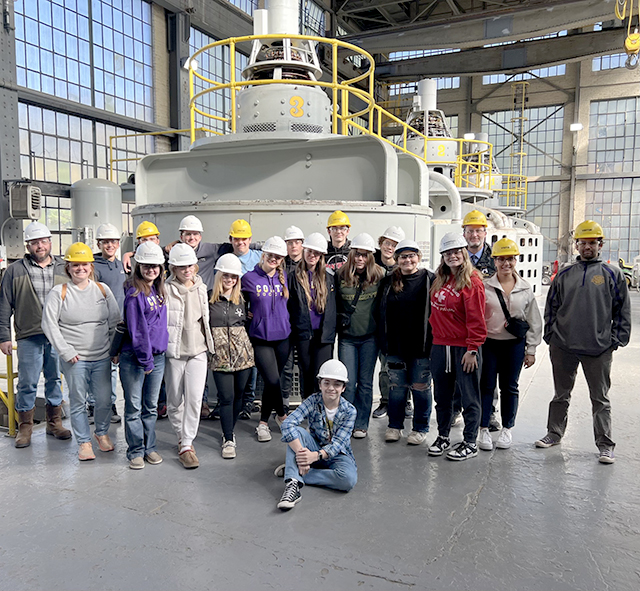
[(285, 289)]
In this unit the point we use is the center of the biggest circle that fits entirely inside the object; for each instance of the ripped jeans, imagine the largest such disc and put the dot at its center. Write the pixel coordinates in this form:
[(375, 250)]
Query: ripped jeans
[(409, 375)]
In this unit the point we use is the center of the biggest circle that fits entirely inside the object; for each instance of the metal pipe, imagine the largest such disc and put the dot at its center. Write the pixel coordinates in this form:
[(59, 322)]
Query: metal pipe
[(454, 195)]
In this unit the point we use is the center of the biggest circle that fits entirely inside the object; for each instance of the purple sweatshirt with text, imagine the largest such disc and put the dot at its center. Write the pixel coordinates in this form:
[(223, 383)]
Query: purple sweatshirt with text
[(146, 318), (268, 305)]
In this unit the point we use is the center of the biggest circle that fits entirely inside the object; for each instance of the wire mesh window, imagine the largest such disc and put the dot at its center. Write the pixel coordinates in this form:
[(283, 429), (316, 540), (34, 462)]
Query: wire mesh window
[(56, 215), (543, 209), (57, 41), (543, 131), (615, 205), (311, 18), (614, 136)]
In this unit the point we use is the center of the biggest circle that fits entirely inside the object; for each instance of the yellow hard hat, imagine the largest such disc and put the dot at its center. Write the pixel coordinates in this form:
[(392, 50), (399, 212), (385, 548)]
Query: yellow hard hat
[(505, 247), (240, 229), (338, 218), (78, 252), (474, 218), (588, 229), (146, 229)]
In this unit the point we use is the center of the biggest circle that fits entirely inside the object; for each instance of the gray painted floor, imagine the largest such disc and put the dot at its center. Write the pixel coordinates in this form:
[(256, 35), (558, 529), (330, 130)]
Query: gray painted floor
[(518, 519)]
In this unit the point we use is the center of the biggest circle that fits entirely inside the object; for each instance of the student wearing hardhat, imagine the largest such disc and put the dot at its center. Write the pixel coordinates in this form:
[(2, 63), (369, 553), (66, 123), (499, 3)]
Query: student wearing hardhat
[(402, 319), (266, 292), (23, 291), (233, 358), (459, 330), (190, 342), (587, 317), (504, 353), (338, 226), (145, 232), (312, 310), (240, 235), (142, 358), (79, 319), (321, 456), (357, 283)]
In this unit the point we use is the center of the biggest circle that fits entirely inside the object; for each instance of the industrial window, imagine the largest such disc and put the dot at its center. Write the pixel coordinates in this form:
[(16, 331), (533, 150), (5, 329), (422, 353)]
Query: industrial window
[(614, 136), (311, 18), (559, 70), (613, 203), (543, 139), (607, 62), (57, 41), (410, 87), (543, 209), (247, 6), (56, 215)]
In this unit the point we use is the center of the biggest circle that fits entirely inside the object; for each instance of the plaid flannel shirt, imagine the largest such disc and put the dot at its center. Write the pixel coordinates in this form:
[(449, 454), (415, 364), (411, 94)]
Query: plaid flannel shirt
[(332, 442), (41, 277)]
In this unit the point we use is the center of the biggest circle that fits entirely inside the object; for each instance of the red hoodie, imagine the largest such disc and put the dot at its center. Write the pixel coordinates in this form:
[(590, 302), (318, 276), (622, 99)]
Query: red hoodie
[(457, 317)]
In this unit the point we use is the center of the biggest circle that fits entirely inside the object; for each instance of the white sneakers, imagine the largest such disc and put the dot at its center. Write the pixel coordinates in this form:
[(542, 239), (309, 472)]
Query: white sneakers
[(229, 448), (392, 434), (263, 432), (359, 433), (504, 439), (416, 438), (484, 439)]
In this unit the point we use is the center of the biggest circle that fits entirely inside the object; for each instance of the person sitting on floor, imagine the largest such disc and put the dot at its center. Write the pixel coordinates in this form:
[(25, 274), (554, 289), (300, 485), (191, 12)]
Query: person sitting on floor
[(321, 456)]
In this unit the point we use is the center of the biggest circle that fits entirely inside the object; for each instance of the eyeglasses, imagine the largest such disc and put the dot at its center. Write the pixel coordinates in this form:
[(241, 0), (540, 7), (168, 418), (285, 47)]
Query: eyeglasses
[(360, 255), (506, 259), (475, 230), (452, 252), (273, 257), (338, 228), (409, 256), (313, 253), (588, 242), (40, 242)]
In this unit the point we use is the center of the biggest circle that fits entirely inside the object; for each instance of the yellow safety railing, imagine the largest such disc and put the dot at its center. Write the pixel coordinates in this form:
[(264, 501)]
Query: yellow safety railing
[(473, 168), (113, 160), (8, 397), (514, 190)]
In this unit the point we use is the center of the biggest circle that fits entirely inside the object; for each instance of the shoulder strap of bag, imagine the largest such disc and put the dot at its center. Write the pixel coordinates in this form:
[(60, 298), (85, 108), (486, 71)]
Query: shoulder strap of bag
[(63, 294), (503, 304), (102, 290), (355, 299)]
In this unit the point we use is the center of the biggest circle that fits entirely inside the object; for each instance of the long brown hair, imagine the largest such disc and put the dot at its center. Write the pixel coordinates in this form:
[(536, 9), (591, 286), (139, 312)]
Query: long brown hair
[(216, 292), (373, 273), (141, 286), (280, 270), (462, 275), (318, 281)]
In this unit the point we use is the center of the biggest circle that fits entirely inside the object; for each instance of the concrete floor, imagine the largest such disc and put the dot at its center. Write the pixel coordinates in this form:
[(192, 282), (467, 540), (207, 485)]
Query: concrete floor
[(519, 519)]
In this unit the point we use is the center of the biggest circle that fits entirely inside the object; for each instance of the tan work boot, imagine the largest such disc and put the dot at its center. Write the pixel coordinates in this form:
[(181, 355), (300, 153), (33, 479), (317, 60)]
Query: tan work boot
[(25, 427), (54, 423)]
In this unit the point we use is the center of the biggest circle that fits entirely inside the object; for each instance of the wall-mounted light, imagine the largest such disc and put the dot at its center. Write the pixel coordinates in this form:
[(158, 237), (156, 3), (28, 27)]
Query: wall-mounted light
[(576, 127), (187, 63), (469, 136)]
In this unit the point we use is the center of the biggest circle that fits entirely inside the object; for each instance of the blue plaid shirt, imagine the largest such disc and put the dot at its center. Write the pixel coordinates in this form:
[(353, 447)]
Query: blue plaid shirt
[(332, 441)]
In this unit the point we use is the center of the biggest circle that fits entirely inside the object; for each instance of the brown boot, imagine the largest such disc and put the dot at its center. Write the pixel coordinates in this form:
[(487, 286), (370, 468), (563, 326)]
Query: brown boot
[(25, 427), (54, 423)]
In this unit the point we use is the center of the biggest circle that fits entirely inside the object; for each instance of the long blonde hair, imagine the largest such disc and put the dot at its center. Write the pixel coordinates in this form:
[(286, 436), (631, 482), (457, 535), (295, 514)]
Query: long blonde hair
[(373, 273), (462, 275), (92, 275), (217, 291), (280, 270), (318, 281)]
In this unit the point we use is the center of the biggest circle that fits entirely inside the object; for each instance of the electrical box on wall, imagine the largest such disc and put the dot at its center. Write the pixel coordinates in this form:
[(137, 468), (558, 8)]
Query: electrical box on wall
[(25, 201)]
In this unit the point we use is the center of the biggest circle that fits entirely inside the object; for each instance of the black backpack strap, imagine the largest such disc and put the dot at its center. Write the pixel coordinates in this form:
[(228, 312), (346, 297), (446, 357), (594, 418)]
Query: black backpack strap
[(503, 304)]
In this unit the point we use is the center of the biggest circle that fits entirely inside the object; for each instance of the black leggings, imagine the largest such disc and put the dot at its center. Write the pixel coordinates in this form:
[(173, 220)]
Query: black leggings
[(271, 357), (311, 355), (230, 386)]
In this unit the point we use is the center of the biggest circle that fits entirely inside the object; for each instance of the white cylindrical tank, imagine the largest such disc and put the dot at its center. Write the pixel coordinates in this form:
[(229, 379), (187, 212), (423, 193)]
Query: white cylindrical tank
[(260, 21), (94, 202), (428, 92), (283, 17)]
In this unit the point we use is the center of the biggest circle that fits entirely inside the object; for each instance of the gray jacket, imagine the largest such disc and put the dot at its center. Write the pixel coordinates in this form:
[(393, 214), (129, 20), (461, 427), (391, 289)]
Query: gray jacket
[(588, 309)]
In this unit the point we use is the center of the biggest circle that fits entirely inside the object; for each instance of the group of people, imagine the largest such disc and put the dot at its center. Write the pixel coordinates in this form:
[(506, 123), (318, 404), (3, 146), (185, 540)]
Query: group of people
[(238, 306)]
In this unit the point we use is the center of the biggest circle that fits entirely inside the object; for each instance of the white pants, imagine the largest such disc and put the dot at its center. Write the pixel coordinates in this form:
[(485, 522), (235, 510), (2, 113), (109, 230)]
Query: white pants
[(185, 379)]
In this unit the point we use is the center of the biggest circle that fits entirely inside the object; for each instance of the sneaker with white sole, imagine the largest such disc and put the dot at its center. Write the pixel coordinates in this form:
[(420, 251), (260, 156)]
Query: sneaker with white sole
[(263, 432), (463, 451), (606, 456), (279, 421), (456, 419), (290, 496), (504, 439), (392, 434), (136, 463), (153, 458), (229, 448), (416, 438), (485, 442), (548, 440), (359, 433), (279, 471), (381, 411), (439, 446)]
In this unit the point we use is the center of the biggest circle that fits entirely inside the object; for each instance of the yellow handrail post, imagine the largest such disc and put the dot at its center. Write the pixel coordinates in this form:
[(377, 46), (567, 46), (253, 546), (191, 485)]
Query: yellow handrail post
[(192, 113), (334, 85), (344, 107), (232, 63), (11, 408)]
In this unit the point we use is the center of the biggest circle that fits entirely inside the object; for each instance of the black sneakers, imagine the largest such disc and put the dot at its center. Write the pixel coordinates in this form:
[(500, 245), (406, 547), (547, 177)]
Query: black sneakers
[(115, 417), (463, 451), (90, 414), (380, 412), (494, 423), (290, 496), (438, 447)]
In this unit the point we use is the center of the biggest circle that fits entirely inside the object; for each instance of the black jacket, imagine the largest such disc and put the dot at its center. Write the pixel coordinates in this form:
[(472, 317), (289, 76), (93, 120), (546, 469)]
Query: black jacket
[(486, 265), (336, 257), (299, 311)]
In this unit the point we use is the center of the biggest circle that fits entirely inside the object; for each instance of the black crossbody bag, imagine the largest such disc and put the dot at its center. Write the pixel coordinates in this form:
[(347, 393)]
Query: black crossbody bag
[(344, 318), (518, 328)]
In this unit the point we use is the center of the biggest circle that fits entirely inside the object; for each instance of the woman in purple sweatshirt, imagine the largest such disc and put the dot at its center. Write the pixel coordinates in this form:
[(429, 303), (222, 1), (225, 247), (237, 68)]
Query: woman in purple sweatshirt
[(265, 291), (142, 356)]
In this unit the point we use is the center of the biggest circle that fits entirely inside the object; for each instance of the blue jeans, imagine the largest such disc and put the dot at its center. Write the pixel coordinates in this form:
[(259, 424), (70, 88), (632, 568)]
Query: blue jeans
[(501, 362), (339, 473), (140, 403), (83, 377), (359, 355), (36, 355), (91, 399), (409, 375)]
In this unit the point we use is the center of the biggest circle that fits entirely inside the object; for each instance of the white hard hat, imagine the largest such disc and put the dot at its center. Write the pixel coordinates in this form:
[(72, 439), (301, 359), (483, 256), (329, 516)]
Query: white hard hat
[(182, 255), (107, 232), (364, 241), (229, 263), (395, 233), (407, 244), (293, 233), (36, 230), (149, 253), (275, 245), (191, 223), (334, 370), (317, 242), (452, 240)]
